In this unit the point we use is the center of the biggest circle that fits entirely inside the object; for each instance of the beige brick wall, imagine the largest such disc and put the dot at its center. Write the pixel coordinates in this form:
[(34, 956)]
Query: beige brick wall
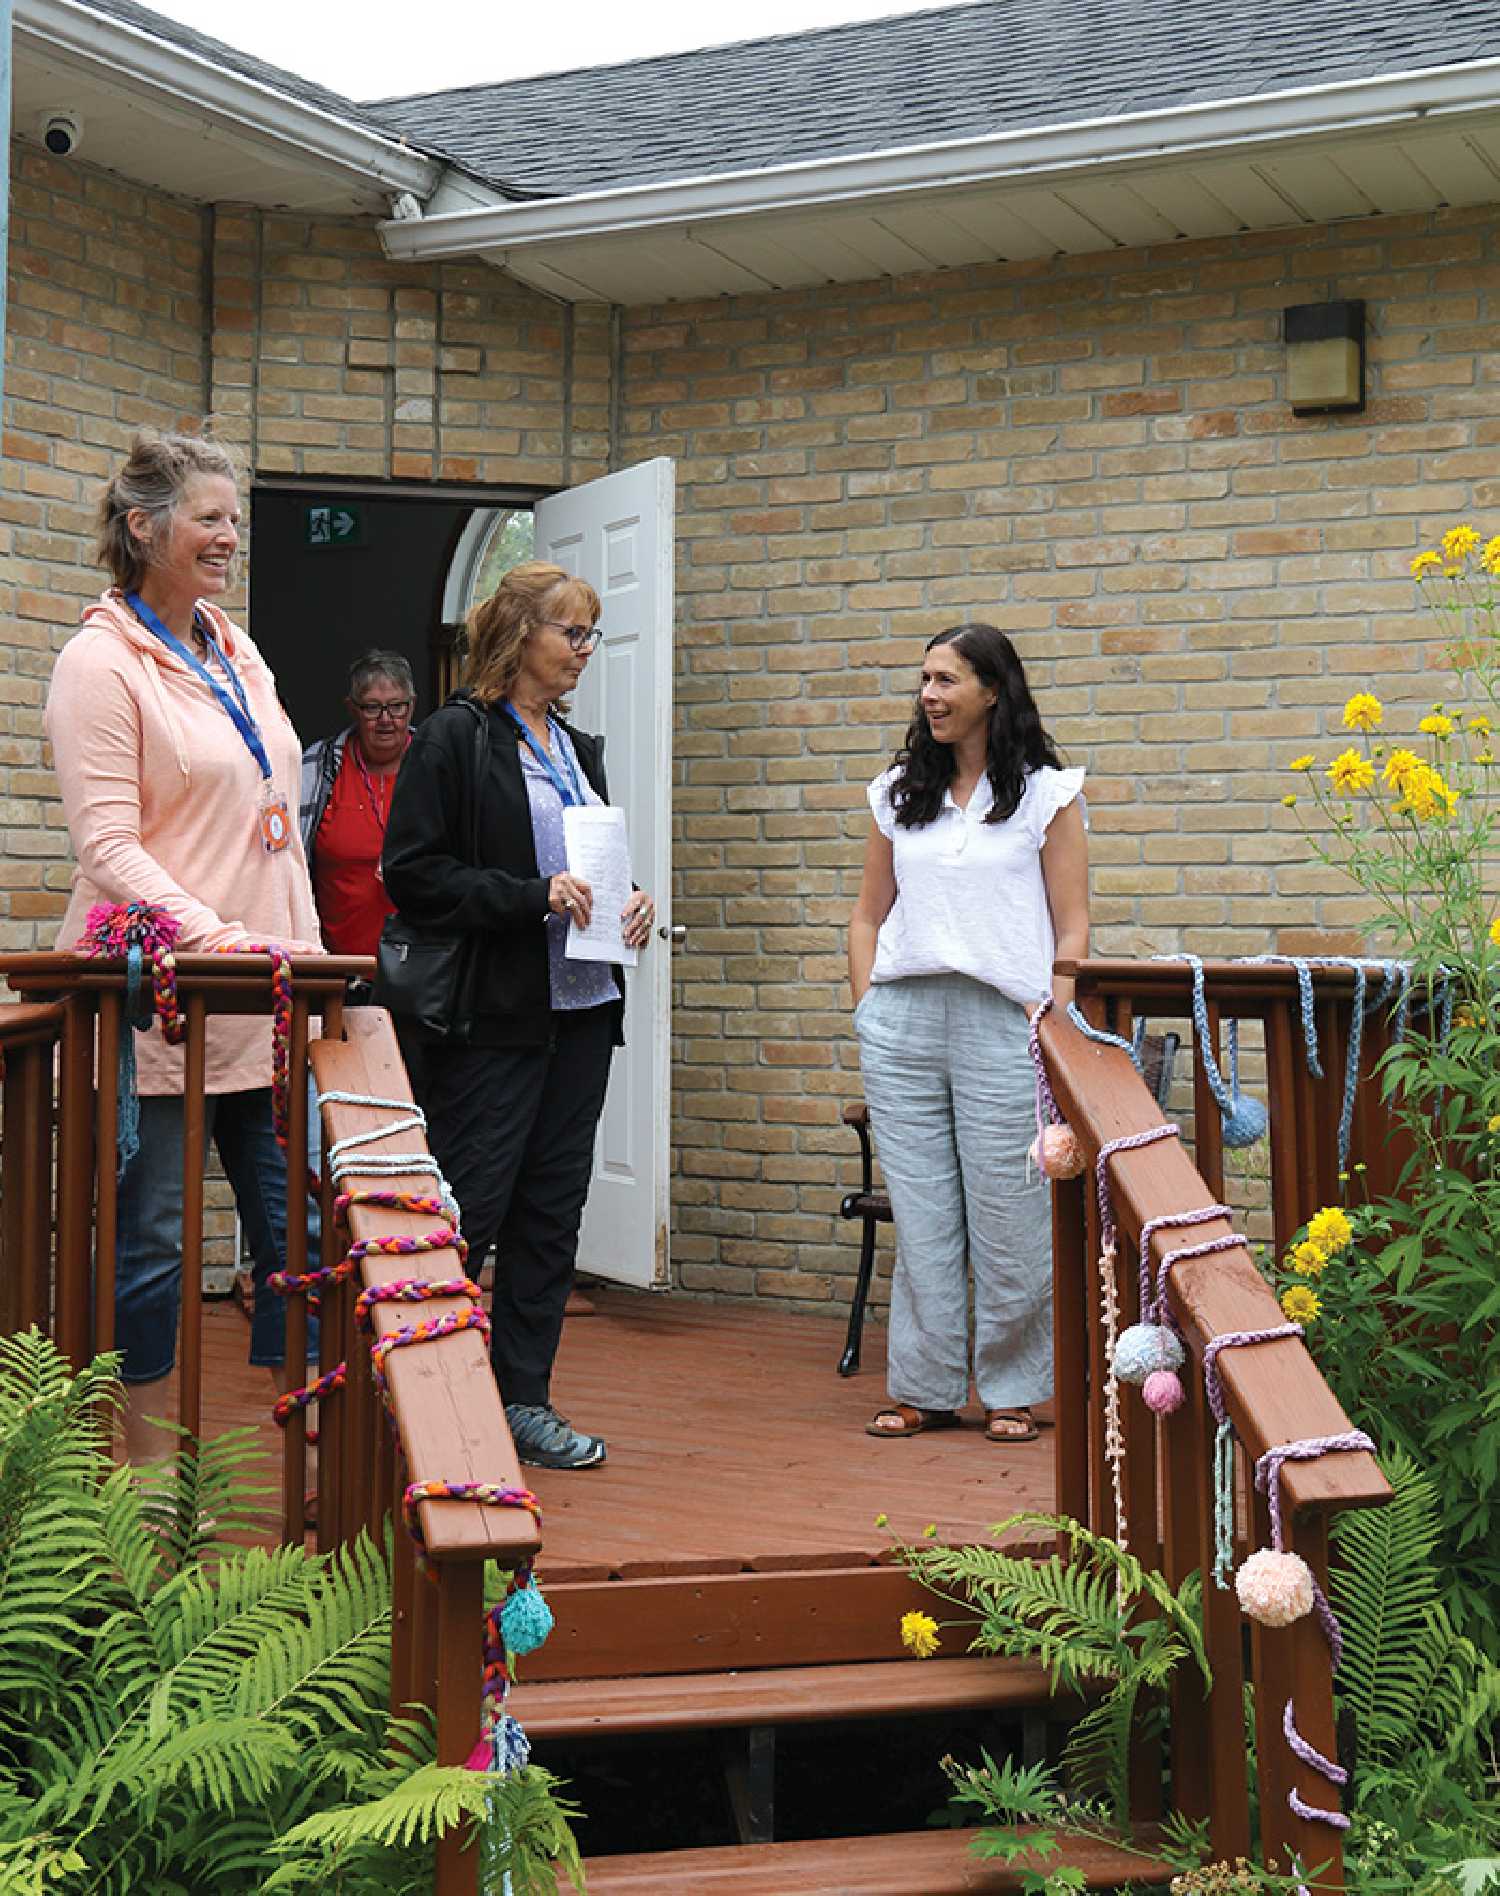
[(1094, 454)]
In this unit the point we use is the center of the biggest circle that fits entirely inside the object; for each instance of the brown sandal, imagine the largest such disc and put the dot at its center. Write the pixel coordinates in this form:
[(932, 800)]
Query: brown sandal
[(993, 1432), (912, 1421)]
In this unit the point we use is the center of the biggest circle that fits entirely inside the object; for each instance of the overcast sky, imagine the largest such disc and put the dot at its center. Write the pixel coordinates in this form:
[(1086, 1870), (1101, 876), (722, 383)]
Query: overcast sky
[(373, 52)]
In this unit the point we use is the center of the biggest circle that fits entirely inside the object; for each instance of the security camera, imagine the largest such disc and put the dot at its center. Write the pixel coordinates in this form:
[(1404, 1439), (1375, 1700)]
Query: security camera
[(62, 133)]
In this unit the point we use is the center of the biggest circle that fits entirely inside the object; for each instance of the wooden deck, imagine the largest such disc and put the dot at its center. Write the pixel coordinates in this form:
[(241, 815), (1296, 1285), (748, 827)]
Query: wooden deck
[(733, 1444)]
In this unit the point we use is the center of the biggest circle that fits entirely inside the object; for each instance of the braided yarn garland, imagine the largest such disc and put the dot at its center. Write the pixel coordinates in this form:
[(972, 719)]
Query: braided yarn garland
[(281, 1029), (139, 933), (1055, 1151), (1244, 1117)]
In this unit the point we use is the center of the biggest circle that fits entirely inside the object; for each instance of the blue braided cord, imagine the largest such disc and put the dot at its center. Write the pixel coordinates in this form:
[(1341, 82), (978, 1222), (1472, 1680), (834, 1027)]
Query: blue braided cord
[(1303, 965), (128, 1100), (1351, 1065), (1233, 1035), (1097, 1034), (1138, 1042), (1223, 1099), (1223, 1505)]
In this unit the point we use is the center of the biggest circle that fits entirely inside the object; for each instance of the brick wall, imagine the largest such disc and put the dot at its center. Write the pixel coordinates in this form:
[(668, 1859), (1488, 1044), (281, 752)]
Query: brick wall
[(1094, 454)]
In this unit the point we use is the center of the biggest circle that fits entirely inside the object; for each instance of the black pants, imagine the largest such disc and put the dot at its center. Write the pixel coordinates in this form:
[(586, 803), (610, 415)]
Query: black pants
[(513, 1129)]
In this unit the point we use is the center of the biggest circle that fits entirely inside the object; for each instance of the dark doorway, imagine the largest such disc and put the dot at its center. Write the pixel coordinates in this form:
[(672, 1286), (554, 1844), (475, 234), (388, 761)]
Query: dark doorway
[(338, 572)]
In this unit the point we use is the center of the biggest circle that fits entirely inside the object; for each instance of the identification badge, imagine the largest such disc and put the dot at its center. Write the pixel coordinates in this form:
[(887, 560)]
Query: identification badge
[(275, 822)]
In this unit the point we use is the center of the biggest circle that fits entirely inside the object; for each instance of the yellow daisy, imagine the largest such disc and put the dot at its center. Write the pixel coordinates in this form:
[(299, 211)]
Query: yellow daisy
[(1494, 1124), (1460, 542), (1308, 1259), (1363, 712), (1349, 773), (1300, 1303), (1484, 757), (1330, 1229), (1424, 564), (1495, 931), (1480, 725), (1302, 763), (1289, 802), (919, 1634), (1490, 558), (1437, 725)]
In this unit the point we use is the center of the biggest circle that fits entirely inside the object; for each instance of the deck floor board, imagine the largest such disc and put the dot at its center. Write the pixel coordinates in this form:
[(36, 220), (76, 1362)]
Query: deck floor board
[(733, 1442)]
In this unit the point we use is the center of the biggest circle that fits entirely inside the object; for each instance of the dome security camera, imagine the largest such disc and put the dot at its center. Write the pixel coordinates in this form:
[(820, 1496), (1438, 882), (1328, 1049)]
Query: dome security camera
[(62, 133)]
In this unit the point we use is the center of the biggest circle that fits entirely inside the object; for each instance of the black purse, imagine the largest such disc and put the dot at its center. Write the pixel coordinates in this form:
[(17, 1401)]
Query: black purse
[(428, 976)]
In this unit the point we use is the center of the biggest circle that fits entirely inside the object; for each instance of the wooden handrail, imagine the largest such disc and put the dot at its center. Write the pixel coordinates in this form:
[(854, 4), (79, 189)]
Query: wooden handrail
[(30, 1024)]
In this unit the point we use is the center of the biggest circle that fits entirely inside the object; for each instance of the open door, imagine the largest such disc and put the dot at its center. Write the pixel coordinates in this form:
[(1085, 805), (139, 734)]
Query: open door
[(617, 534)]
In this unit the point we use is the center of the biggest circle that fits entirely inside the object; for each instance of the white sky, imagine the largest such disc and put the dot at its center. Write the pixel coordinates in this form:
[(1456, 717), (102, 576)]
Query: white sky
[(372, 52)]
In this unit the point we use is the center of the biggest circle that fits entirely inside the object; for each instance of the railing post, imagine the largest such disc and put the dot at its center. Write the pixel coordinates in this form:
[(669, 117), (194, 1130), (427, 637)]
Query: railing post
[(194, 1155), (26, 1187), (1070, 1327), (112, 1028), (294, 1443), (72, 1298), (460, 1650)]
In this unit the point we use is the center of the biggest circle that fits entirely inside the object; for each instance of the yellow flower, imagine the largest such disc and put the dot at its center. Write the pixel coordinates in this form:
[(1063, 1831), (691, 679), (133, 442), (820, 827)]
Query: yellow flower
[(1349, 772), (1400, 765), (1460, 542), (1289, 803), (1495, 931), (1308, 1259), (1302, 763), (1437, 725), (919, 1634), (1484, 757), (1479, 724), (1424, 564), (1300, 1303), (930, 1531), (1490, 558), (1363, 712), (882, 1520), (1494, 1125), (1330, 1229)]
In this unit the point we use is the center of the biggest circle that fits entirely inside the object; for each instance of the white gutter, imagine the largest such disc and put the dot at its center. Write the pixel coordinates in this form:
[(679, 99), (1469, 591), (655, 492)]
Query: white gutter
[(79, 36), (1088, 144)]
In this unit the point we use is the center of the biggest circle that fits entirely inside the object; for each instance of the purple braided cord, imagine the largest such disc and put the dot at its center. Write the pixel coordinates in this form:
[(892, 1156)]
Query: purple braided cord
[(1129, 1143), (1232, 1339), (1166, 1222), (1231, 1242), (1047, 1113), (1311, 1756), (1268, 1468)]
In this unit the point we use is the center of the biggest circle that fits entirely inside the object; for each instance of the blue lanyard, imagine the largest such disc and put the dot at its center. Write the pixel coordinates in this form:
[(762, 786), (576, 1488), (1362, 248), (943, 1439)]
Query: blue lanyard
[(571, 791), (237, 708)]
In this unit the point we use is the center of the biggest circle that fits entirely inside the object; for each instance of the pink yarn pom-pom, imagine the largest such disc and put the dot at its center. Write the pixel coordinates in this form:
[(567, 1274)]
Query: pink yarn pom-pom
[(1058, 1154), (1162, 1392), (1275, 1589)]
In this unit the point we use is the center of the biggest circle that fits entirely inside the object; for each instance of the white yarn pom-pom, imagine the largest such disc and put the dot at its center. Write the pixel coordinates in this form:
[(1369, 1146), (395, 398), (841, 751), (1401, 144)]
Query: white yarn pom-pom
[(1275, 1589), (1057, 1154), (1144, 1348)]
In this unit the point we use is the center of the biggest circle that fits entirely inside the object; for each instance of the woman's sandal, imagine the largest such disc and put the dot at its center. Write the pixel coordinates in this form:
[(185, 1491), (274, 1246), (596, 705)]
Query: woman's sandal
[(910, 1421), (996, 1431)]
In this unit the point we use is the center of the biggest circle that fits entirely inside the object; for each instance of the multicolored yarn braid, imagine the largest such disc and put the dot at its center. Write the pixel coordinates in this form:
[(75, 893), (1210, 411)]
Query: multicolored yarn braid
[(285, 1407), (1056, 1150), (417, 1290), (1109, 1296), (281, 1029), (139, 933)]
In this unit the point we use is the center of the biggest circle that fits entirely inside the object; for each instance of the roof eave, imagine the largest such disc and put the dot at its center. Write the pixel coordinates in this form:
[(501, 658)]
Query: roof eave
[(288, 125), (1178, 132)]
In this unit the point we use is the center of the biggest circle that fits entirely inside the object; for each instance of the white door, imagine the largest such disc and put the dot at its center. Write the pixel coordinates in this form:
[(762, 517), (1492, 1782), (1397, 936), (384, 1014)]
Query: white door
[(617, 533)]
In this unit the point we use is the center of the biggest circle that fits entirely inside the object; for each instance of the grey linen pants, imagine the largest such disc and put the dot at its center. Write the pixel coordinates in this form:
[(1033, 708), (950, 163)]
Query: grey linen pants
[(949, 1086)]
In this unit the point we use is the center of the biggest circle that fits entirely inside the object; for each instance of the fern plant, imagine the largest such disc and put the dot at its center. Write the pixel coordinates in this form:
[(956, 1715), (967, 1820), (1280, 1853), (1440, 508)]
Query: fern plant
[(180, 1714)]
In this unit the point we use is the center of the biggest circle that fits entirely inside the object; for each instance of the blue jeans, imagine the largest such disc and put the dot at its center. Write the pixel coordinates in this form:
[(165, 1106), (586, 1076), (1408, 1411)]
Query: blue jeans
[(148, 1248)]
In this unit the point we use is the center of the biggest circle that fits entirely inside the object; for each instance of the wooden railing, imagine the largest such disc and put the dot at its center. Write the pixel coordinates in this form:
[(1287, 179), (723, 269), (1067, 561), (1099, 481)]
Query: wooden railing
[(1274, 1391), (57, 1229)]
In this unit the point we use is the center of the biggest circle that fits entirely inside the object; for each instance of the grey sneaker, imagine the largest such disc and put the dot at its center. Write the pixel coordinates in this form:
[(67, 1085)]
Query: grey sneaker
[(545, 1439)]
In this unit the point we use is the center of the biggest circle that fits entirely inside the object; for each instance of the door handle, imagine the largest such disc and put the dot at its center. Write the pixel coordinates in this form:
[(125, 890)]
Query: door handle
[(676, 935)]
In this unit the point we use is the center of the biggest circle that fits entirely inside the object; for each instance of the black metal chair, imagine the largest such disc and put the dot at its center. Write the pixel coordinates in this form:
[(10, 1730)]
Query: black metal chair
[(1158, 1058)]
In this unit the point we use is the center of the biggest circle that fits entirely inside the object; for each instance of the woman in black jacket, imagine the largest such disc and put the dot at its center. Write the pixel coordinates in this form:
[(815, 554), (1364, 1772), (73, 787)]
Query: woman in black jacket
[(512, 1109)]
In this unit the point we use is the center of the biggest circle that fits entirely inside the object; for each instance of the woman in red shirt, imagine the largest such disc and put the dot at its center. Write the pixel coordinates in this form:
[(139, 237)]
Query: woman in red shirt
[(347, 783)]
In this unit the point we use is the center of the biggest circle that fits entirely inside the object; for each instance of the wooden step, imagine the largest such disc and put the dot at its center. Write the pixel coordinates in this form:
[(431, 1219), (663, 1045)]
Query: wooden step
[(911, 1863), (780, 1695)]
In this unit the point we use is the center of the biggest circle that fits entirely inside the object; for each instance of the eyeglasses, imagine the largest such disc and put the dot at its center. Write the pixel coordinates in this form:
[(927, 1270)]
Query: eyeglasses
[(398, 710), (582, 638)]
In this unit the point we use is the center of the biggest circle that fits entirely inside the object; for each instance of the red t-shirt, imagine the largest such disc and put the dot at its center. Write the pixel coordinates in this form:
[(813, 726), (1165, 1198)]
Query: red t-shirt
[(352, 902)]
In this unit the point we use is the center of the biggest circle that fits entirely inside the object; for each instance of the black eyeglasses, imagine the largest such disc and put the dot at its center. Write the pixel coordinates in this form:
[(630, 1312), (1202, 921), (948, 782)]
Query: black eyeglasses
[(398, 711), (582, 638)]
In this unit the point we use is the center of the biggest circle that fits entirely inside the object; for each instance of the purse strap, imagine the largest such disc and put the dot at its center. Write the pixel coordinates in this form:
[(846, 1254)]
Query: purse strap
[(481, 766)]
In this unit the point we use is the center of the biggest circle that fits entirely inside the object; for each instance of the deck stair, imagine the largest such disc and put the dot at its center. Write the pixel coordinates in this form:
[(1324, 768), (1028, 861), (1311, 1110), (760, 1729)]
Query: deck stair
[(735, 1660)]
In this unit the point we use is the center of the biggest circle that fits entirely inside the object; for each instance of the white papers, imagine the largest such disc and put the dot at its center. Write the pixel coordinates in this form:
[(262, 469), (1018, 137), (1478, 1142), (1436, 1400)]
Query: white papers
[(599, 854)]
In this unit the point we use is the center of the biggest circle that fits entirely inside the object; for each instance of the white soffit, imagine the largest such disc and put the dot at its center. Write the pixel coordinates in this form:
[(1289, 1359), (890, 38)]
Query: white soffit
[(163, 116), (1408, 144)]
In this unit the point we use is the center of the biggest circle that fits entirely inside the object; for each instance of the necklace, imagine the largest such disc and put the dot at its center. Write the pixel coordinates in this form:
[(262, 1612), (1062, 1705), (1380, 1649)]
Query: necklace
[(380, 803)]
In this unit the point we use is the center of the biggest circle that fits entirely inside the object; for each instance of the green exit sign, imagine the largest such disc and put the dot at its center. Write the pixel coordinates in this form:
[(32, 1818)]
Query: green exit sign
[(334, 524)]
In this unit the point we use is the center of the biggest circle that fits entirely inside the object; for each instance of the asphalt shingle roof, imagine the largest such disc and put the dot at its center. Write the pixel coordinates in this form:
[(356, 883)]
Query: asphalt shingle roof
[(991, 66)]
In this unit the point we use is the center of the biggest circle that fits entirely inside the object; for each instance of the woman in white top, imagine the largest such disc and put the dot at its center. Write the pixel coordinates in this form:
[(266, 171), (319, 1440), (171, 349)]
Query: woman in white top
[(975, 880)]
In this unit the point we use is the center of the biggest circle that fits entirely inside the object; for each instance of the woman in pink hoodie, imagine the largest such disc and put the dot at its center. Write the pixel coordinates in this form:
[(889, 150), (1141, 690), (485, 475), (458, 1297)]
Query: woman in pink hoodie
[(179, 773)]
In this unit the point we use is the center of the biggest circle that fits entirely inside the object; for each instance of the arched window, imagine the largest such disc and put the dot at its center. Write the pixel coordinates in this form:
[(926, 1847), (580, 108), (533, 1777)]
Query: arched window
[(494, 540)]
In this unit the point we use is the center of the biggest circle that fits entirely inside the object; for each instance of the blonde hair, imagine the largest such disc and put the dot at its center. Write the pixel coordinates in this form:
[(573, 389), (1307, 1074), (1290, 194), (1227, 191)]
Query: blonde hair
[(153, 481), (500, 625)]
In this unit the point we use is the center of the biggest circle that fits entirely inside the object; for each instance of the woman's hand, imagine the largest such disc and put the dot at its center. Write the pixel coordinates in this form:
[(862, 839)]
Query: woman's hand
[(638, 915), (567, 895)]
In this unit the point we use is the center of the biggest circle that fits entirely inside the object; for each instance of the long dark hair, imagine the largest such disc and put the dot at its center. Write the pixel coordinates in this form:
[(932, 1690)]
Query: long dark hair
[(1017, 743)]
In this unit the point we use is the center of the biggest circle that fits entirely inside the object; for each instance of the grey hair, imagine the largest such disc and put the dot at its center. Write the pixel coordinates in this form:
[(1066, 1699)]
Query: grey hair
[(152, 481), (378, 664)]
